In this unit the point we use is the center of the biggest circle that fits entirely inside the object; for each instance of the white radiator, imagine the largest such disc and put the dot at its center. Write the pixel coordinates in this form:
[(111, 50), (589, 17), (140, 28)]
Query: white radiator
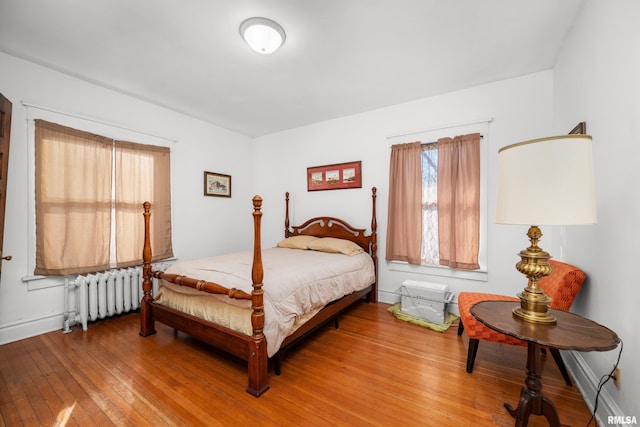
[(96, 296)]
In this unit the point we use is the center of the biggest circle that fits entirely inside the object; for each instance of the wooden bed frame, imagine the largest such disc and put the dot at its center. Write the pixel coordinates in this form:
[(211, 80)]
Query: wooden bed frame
[(253, 348)]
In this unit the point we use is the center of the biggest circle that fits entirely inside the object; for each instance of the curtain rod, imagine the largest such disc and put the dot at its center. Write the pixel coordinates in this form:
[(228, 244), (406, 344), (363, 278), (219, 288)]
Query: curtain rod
[(435, 142), (90, 119), (451, 125)]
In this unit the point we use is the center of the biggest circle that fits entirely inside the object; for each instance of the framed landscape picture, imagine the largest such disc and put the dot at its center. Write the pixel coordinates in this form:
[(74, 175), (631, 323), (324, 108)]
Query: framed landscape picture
[(217, 184), (335, 177)]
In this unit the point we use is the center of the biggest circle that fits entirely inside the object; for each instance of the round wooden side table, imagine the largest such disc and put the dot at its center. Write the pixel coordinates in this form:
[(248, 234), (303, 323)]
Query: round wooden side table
[(571, 332)]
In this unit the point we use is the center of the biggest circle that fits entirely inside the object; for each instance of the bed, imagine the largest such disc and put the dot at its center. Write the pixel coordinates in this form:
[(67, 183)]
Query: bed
[(235, 283)]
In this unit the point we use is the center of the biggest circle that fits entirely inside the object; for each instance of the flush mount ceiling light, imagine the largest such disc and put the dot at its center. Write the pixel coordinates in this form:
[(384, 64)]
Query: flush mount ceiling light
[(262, 35)]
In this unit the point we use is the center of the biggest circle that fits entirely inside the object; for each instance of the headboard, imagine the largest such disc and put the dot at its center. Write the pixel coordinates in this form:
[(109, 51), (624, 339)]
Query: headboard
[(326, 226)]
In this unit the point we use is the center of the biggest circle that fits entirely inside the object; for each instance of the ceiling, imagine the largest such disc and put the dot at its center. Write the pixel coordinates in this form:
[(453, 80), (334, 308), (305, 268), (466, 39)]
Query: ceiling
[(341, 57)]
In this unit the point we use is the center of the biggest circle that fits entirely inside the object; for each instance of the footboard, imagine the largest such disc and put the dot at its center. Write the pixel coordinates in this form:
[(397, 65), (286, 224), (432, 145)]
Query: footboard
[(253, 349), (201, 285)]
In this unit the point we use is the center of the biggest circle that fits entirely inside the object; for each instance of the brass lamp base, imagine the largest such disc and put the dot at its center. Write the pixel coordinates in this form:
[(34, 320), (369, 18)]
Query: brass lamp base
[(534, 304), (534, 308)]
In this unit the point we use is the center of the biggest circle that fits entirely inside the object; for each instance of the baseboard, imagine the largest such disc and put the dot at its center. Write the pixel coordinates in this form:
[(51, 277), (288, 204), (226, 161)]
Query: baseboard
[(388, 297), (587, 383), (31, 327)]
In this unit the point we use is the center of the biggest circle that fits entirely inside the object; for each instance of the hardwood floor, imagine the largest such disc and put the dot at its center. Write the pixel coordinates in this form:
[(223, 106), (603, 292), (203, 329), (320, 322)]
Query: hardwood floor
[(373, 370)]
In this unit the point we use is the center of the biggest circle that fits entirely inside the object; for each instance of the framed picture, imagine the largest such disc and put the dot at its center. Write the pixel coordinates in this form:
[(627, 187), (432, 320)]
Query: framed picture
[(334, 177), (217, 184)]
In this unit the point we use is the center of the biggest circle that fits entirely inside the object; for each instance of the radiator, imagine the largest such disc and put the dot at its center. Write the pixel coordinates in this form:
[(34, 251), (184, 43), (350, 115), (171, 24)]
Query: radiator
[(100, 295)]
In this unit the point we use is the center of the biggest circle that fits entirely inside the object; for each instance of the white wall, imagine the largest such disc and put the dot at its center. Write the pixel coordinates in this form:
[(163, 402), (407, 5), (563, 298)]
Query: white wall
[(201, 225), (520, 109), (597, 79)]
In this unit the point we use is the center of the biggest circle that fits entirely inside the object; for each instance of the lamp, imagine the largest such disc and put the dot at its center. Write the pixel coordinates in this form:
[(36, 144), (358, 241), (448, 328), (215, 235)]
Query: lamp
[(262, 35), (547, 181)]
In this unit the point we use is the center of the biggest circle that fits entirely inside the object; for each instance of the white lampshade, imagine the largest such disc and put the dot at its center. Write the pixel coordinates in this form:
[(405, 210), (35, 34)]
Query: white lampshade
[(547, 181), (262, 35)]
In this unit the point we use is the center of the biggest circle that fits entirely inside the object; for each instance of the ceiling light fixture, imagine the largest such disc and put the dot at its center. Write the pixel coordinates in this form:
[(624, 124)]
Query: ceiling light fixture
[(262, 35)]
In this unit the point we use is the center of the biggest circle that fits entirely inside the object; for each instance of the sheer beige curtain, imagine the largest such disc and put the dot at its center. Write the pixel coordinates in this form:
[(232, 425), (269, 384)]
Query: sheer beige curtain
[(430, 246), (459, 201), (404, 225), (142, 174), (73, 200)]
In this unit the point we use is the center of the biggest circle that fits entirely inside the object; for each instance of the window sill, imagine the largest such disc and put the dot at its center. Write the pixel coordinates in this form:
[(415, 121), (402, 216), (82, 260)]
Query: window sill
[(35, 283), (434, 270)]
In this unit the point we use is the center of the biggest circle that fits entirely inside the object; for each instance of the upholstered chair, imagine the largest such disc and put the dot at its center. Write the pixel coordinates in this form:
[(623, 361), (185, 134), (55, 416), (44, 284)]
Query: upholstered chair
[(562, 286)]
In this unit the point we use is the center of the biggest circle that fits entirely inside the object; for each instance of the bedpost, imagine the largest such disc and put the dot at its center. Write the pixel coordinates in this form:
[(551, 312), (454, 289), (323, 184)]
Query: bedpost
[(373, 296), (286, 215), (147, 326), (258, 359)]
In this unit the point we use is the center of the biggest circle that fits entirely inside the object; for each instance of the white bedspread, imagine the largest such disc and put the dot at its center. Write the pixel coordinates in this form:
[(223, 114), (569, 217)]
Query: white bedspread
[(296, 282)]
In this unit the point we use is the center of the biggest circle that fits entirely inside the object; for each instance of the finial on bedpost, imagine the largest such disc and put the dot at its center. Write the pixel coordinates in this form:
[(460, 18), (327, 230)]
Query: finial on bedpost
[(146, 322), (286, 215), (146, 250), (257, 216)]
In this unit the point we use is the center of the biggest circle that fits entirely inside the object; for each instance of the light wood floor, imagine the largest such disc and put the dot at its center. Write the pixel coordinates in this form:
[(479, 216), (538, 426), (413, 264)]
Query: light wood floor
[(373, 370)]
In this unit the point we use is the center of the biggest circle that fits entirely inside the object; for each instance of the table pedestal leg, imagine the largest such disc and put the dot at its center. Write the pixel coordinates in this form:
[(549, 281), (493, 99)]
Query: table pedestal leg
[(532, 400)]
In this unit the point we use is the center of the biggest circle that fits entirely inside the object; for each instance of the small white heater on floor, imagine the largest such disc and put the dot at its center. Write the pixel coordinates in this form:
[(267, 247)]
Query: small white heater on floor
[(425, 300)]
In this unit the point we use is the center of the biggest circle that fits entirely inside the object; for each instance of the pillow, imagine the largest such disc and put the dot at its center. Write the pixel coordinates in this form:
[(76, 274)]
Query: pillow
[(333, 245), (296, 242)]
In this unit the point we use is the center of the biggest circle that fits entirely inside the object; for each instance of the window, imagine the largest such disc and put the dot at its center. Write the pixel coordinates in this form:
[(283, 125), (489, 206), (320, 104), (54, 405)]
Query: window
[(430, 252), (451, 221), (89, 191)]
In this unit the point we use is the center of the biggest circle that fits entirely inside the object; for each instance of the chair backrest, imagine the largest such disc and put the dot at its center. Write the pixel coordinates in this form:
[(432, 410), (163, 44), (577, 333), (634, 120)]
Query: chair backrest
[(562, 285)]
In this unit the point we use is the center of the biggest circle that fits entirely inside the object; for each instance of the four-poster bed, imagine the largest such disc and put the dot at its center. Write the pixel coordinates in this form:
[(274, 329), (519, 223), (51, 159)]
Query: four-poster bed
[(320, 298)]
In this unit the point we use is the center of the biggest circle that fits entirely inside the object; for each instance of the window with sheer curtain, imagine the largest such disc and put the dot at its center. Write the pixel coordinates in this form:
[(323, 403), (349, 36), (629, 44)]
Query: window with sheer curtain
[(89, 192), (434, 203)]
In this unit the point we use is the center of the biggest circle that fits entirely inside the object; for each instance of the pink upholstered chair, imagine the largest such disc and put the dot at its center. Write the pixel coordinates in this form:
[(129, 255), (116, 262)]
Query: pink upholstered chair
[(562, 286)]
